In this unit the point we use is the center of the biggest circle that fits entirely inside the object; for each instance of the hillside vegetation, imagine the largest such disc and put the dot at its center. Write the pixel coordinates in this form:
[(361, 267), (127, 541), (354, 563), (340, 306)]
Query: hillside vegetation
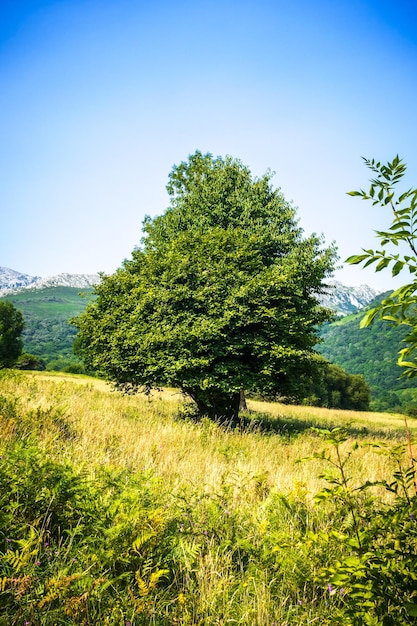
[(46, 312), (117, 510), (373, 353)]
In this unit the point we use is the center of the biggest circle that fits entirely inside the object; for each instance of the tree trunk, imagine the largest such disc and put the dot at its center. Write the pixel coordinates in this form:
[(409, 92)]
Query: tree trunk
[(221, 408), (242, 401)]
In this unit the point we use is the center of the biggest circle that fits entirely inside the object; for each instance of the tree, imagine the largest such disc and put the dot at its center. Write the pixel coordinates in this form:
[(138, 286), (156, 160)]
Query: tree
[(27, 361), (221, 296), (11, 328), (334, 388), (399, 307)]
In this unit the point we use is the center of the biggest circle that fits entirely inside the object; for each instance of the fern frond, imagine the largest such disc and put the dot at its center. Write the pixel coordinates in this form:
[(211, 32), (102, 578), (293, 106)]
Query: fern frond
[(143, 538), (156, 577), (143, 587)]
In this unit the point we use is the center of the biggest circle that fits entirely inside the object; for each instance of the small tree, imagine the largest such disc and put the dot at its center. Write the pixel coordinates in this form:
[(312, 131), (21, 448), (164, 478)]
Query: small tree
[(220, 297), (11, 328), (400, 306), (335, 388), (28, 361)]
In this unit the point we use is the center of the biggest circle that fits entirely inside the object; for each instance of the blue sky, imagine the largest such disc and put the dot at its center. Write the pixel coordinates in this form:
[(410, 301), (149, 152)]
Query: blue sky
[(99, 99)]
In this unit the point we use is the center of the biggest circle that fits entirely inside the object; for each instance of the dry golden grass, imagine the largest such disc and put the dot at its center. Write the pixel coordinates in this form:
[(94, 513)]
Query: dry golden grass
[(104, 427), (241, 495)]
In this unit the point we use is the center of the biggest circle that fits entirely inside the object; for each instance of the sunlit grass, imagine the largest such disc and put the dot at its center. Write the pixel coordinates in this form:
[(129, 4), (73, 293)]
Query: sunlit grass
[(226, 512), (145, 433)]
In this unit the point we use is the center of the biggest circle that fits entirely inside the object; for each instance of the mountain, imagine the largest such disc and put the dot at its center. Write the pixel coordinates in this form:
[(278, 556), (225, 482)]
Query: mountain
[(373, 353), (345, 300), (47, 305), (12, 282)]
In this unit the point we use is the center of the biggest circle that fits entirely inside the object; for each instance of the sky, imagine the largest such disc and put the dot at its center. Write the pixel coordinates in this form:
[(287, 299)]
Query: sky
[(100, 98)]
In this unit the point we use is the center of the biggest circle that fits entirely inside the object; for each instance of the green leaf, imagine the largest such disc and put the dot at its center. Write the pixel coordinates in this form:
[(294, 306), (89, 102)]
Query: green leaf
[(355, 259), (382, 264), (397, 267), (411, 609), (369, 318)]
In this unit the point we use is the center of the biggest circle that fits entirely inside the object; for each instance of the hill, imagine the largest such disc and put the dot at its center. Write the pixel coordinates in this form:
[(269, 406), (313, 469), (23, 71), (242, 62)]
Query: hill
[(46, 312), (371, 352)]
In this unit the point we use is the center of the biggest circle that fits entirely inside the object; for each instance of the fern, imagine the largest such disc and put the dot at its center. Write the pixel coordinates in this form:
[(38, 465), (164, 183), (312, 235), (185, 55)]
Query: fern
[(143, 538)]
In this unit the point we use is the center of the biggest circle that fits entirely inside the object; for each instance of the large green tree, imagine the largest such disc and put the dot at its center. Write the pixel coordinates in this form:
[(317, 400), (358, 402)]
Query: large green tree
[(398, 252), (11, 328), (221, 296)]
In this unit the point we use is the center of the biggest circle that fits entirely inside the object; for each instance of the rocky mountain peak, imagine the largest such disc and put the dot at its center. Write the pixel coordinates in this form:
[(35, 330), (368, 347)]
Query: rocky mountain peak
[(345, 300), (12, 282), (342, 299)]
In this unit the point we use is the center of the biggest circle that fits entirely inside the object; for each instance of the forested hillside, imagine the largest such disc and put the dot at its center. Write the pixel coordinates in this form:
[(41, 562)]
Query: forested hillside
[(372, 352), (48, 333)]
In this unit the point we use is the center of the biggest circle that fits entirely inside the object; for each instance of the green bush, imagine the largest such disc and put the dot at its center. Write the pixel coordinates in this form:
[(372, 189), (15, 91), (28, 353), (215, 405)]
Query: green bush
[(374, 581)]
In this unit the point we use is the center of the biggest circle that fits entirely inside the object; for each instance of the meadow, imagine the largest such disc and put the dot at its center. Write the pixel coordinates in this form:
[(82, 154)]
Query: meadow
[(121, 510)]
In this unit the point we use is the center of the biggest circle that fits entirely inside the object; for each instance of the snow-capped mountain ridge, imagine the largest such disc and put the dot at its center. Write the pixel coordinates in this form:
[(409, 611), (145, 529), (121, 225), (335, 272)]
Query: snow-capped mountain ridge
[(342, 299), (345, 300), (12, 282)]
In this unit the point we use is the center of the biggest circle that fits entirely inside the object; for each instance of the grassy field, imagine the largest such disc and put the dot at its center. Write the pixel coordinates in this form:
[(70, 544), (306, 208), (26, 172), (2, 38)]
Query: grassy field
[(119, 510)]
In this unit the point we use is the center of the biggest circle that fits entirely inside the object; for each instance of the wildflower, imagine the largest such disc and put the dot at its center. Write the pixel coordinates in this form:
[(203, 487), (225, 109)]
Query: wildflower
[(412, 518), (8, 540), (330, 589), (37, 562)]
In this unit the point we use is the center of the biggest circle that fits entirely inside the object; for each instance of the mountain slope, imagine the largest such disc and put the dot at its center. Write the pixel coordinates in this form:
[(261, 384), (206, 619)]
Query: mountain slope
[(46, 312), (372, 352)]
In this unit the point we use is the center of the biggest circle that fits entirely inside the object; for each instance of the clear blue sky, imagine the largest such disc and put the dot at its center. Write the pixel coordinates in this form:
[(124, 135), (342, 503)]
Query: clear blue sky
[(100, 98)]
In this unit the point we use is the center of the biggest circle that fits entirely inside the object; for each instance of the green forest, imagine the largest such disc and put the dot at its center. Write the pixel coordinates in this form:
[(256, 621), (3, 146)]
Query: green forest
[(371, 352), (47, 332)]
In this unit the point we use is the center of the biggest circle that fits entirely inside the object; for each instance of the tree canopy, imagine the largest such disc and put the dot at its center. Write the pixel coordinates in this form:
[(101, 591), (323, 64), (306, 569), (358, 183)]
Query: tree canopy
[(11, 327), (222, 294)]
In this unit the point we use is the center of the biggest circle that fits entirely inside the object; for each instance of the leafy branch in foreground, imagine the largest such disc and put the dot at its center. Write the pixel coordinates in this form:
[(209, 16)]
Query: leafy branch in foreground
[(400, 307), (374, 581)]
